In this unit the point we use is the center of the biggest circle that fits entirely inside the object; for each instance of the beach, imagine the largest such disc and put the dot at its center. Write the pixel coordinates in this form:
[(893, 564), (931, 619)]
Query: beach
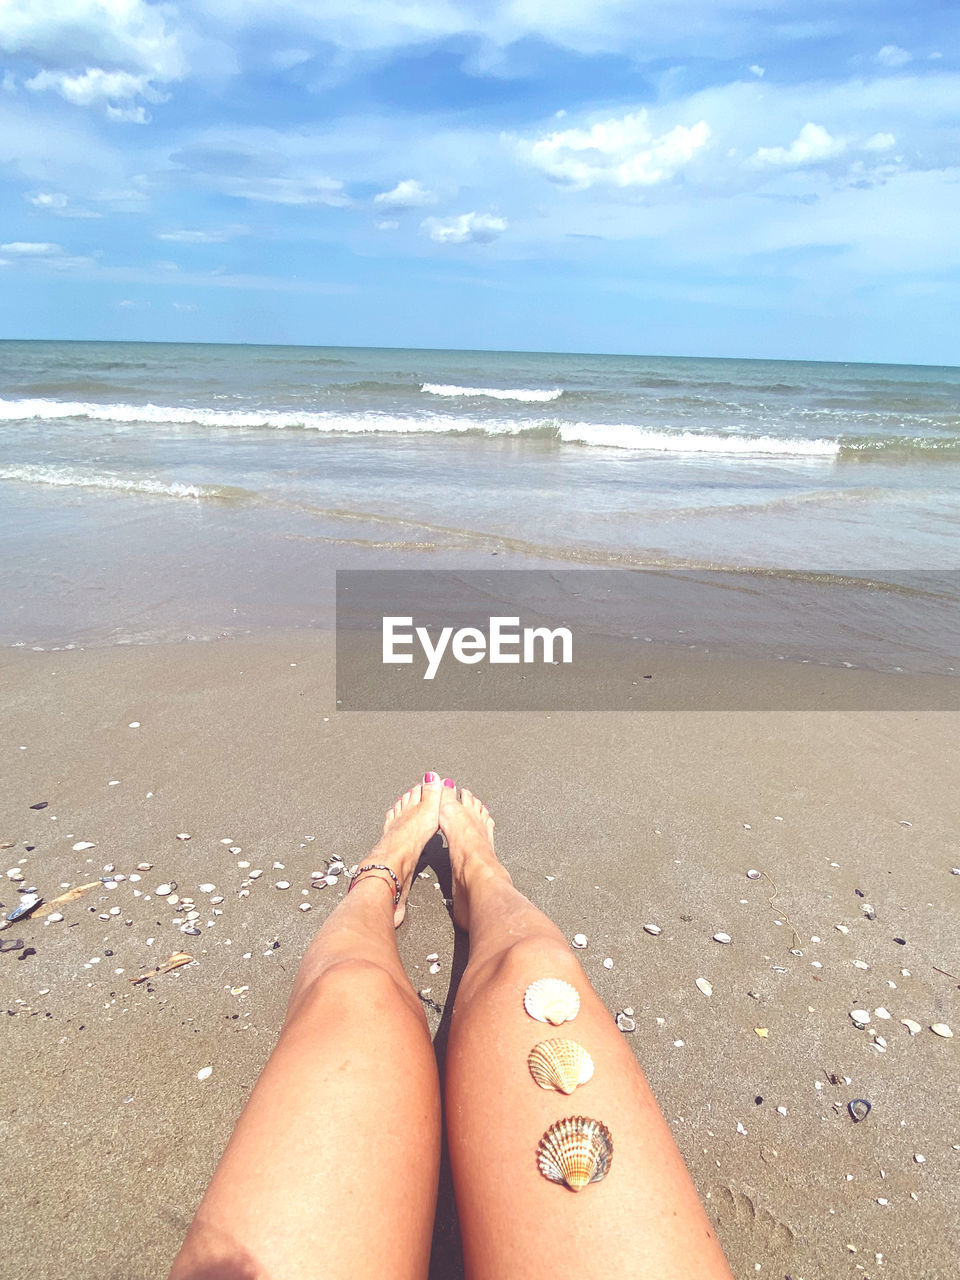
[(741, 791), (607, 821)]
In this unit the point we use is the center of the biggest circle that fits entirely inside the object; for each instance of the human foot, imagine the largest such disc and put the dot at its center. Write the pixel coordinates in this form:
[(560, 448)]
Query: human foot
[(408, 825), (468, 827)]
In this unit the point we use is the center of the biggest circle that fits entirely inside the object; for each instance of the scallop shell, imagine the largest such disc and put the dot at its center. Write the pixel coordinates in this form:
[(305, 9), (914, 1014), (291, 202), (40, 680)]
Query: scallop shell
[(551, 1000), (575, 1151), (560, 1064)]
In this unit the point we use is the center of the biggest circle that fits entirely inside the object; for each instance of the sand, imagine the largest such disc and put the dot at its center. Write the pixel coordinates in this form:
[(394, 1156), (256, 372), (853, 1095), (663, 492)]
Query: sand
[(607, 821)]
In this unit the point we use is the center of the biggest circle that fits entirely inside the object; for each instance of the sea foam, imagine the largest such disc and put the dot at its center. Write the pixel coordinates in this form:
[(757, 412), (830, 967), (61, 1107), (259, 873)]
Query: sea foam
[(533, 396)]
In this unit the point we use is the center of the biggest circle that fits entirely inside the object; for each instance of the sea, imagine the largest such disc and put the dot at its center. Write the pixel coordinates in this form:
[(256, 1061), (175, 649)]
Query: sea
[(172, 490)]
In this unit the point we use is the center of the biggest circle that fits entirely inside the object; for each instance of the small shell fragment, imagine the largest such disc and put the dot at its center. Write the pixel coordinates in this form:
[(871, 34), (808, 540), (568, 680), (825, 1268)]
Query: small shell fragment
[(551, 1000), (859, 1109), (860, 1017), (579, 941), (28, 903), (560, 1064), (183, 836), (722, 937), (206, 887), (575, 1152), (205, 1073), (653, 929), (15, 874), (941, 1029), (626, 1023), (164, 890), (913, 1027), (608, 962), (83, 844), (282, 884), (704, 986), (753, 874), (306, 906)]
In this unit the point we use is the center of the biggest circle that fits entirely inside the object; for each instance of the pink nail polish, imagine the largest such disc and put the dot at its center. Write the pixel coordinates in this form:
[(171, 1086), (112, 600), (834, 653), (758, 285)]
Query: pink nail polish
[(429, 777), (449, 782)]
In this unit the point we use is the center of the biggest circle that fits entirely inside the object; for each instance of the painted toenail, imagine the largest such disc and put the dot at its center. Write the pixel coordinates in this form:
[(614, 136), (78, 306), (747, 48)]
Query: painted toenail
[(449, 782), (430, 777)]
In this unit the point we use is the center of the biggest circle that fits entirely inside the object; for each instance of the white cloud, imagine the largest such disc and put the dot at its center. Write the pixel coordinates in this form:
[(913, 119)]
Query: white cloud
[(387, 224), (284, 190), (465, 228), (620, 152), (757, 71), (184, 306), (30, 249), (891, 55), (200, 237), (113, 90), (67, 34), (813, 144), (408, 194), (54, 201), (880, 142)]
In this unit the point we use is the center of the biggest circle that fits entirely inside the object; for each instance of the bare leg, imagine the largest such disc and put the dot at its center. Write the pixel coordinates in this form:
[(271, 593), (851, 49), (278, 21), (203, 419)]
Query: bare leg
[(644, 1219), (332, 1169)]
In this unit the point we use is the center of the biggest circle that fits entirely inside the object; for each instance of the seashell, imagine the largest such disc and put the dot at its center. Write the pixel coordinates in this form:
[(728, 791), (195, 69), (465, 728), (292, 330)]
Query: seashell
[(575, 1152), (753, 874), (27, 903), (938, 1028), (83, 844), (626, 1022), (206, 887), (15, 874), (579, 941), (859, 1109), (162, 890), (551, 1000), (144, 866), (860, 1017), (305, 906), (282, 884), (560, 1064), (256, 874), (183, 836), (608, 962), (704, 986), (913, 1027), (722, 937), (652, 929)]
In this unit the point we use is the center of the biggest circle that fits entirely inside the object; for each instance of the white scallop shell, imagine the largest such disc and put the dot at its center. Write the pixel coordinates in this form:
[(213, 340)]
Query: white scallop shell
[(551, 1000), (560, 1064), (575, 1152)]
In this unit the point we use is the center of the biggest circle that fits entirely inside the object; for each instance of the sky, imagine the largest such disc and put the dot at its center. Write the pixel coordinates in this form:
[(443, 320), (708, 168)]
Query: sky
[(757, 178)]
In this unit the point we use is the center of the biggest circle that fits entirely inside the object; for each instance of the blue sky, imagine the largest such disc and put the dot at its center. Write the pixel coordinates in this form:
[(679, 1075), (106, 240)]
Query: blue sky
[(686, 177)]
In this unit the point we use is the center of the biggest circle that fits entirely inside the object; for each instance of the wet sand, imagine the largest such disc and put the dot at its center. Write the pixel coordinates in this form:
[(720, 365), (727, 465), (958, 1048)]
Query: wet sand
[(607, 821)]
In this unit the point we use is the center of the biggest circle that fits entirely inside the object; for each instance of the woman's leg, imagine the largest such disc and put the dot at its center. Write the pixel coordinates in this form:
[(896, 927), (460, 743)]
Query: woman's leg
[(332, 1169), (644, 1219)]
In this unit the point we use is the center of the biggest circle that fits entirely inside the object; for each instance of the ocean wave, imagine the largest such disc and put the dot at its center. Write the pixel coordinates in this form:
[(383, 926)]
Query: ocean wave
[(611, 435), (642, 440), (533, 396), (66, 478)]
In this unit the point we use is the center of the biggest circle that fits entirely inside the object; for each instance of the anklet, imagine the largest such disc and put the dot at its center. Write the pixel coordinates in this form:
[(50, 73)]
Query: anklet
[(377, 866)]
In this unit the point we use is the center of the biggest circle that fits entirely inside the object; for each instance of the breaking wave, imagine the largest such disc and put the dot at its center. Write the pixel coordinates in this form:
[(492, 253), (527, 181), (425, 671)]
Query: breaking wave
[(533, 396)]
